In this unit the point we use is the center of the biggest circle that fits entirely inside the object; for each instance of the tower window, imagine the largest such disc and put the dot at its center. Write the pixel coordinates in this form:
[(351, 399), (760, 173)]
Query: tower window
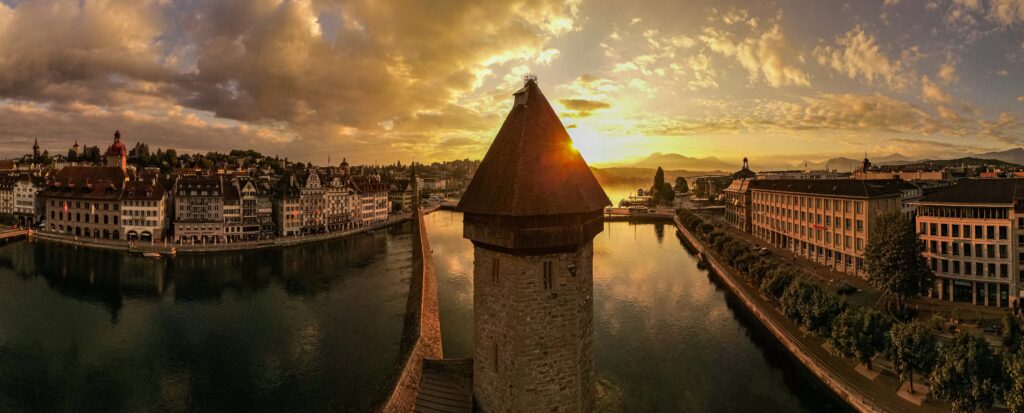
[(549, 276), (495, 357), (494, 270)]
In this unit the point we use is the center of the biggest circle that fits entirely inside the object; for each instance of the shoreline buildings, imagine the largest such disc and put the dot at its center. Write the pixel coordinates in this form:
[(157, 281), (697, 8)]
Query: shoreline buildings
[(202, 203)]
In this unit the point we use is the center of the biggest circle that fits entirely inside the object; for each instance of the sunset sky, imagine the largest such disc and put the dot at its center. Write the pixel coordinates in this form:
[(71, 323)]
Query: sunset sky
[(380, 81)]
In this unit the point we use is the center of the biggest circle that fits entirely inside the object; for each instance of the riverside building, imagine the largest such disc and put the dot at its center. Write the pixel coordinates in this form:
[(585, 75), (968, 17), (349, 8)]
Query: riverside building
[(827, 221), (144, 211), (199, 210), (974, 241), (84, 201)]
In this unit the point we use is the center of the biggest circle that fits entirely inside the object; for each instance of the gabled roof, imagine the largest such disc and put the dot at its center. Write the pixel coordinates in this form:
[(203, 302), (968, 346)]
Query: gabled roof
[(145, 190), (855, 188), (531, 167), (88, 182)]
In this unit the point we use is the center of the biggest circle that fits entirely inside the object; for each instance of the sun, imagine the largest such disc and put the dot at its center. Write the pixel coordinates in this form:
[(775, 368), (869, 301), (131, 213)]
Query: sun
[(591, 144)]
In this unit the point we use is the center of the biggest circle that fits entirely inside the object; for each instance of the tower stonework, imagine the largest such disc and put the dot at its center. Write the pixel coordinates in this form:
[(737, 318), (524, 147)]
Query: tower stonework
[(532, 211)]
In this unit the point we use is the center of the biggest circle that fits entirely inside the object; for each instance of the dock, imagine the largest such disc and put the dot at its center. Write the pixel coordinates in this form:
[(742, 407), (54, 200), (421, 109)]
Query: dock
[(147, 249)]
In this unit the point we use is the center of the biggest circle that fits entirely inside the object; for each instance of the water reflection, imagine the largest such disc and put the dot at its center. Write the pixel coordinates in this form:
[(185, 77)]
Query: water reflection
[(667, 338), (309, 328)]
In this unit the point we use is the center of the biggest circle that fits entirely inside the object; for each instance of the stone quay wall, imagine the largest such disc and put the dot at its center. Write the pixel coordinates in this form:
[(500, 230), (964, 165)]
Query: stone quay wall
[(421, 332), (857, 399)]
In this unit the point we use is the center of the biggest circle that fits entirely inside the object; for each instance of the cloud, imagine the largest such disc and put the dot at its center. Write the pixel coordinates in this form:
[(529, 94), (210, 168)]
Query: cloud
[(947, 73), (329, 74), (1007, 12), (933, 93), (853, 113), (858, 55), (583, 105), (765, 57), (1020, 99)]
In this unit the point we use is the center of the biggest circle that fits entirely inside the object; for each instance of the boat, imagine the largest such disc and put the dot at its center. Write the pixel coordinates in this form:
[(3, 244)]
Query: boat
[(151, 254)]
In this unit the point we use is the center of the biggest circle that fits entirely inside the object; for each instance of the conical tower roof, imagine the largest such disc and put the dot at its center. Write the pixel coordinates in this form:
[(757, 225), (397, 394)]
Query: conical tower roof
[(532, 167)]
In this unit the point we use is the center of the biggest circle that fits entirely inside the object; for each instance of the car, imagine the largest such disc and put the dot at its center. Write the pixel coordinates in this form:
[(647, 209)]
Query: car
[(845, 289)]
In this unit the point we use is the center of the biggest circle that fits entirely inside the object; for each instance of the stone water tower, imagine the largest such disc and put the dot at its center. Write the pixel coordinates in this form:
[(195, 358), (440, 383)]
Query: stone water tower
[(532, 211)]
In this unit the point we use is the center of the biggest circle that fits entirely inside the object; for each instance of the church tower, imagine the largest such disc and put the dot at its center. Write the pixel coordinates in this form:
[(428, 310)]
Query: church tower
[(532, 211), (117, 155)]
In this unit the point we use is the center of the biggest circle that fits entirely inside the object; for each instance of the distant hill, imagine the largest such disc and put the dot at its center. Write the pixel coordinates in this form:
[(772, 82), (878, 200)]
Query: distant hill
[(969, 160), (676, 161), (844, 164), (1014, 156)]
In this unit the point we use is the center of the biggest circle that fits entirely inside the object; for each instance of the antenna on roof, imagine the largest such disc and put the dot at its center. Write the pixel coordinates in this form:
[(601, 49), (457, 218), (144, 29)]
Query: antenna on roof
[(529, 77)]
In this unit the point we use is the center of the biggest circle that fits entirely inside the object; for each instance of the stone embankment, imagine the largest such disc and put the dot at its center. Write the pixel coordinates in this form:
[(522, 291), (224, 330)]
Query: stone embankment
[(421, 332)]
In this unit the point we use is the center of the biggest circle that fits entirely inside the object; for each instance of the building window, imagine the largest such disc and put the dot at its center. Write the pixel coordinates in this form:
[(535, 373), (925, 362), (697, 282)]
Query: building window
[(1002, 232), (549, 276), (944, 230), (978, 232)]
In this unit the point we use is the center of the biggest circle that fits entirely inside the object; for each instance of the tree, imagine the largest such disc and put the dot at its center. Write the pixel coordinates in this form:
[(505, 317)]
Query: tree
[(895, 265), (968, 374), (797, 300), (824, 309), (1011, 333), (659, 179), (1014, 394), (666, 193), (681, 185), (912, 347), (776, 282), (859, 333)]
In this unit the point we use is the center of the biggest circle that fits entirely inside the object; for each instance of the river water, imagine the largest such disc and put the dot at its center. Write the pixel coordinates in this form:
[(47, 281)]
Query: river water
[(316, 327)]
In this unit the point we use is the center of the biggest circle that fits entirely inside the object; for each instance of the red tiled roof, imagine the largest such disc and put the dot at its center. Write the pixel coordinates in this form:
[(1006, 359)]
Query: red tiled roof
[(88, 182), (532, 167), (143, 191)]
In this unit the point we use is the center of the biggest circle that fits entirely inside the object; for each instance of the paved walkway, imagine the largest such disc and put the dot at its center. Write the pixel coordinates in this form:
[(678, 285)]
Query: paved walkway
[(440, 393)]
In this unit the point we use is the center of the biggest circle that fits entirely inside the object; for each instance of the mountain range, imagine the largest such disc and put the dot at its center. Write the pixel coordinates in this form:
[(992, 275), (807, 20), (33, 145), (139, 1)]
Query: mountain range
[(676, 161)]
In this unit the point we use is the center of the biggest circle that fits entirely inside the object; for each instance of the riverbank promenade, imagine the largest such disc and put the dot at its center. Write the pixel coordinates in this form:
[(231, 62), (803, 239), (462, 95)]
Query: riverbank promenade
[(878, 394)]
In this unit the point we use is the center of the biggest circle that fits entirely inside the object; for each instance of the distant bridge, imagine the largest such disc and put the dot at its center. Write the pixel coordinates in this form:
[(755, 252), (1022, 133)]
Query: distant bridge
[(10, 234)]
